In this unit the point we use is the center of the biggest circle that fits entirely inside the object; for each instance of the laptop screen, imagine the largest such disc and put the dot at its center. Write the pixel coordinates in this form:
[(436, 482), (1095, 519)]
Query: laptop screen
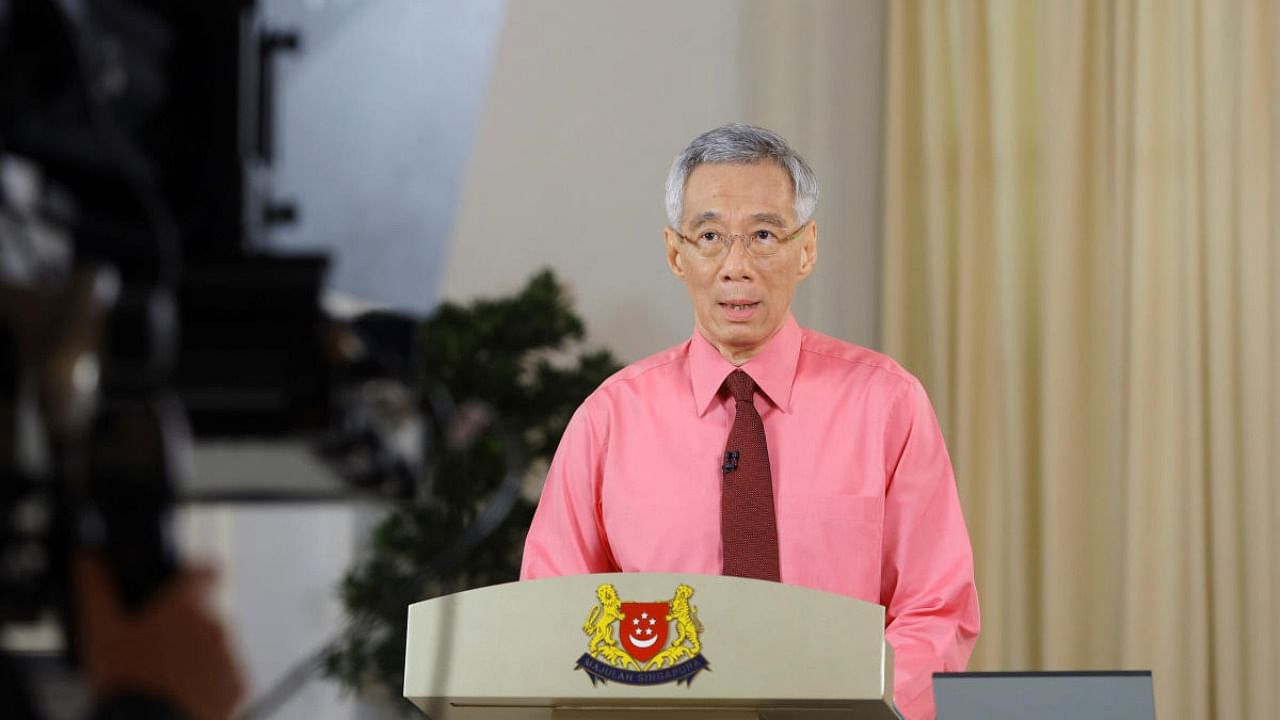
[(1106, 695)]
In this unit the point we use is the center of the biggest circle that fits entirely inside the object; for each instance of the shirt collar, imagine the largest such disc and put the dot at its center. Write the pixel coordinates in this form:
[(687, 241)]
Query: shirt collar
[(773, 369)]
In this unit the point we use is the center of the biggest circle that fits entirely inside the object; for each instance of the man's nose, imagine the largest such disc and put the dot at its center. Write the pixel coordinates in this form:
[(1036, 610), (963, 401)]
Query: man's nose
[(737, 261)]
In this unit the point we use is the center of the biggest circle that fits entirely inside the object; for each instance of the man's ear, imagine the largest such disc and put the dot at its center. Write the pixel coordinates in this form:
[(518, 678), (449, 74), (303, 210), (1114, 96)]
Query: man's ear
[(809, 249), (675, 260)]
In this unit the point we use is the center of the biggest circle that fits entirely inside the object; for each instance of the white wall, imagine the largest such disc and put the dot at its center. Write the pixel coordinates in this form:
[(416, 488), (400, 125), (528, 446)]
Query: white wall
[(589, 101)]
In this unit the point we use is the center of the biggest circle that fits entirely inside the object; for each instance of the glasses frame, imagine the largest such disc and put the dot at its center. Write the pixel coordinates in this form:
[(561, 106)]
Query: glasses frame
[(726, 242)]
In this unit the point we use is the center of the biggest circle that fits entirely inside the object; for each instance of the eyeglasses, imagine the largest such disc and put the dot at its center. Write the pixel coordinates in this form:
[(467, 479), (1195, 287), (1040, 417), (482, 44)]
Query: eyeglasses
[(762, 243)]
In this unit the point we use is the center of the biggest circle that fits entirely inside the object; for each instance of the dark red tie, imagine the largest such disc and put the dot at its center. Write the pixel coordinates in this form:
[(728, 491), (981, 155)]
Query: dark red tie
[(748, 528)]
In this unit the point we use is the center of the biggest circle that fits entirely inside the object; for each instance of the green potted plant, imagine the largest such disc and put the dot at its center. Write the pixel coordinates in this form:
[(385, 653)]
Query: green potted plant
[(508, 374)]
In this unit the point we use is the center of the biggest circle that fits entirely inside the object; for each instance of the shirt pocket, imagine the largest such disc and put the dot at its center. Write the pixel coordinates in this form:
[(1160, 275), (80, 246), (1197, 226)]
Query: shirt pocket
[(833, 543)]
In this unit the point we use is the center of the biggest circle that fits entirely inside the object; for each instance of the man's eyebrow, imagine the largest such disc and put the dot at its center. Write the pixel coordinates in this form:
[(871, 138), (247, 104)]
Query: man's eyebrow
[(764, 217), (771, 218)]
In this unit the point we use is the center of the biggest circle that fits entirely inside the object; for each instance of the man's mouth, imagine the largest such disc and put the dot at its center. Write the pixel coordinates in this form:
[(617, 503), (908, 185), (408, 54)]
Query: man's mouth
[(739, 311)]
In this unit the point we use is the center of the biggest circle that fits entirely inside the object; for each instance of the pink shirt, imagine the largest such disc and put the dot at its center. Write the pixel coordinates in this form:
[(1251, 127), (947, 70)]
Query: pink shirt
[(865, 498)]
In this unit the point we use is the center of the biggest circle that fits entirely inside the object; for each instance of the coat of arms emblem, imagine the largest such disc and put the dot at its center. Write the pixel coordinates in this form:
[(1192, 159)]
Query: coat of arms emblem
[(641, 653), (643, 629)]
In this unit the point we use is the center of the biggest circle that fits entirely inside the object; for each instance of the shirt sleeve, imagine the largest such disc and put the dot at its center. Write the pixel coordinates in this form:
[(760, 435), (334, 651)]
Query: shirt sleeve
[(931, 602), (567, 534)]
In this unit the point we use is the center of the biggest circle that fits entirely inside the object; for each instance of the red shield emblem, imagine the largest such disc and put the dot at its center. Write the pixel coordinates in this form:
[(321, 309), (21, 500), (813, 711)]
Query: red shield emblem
[(643, 629)]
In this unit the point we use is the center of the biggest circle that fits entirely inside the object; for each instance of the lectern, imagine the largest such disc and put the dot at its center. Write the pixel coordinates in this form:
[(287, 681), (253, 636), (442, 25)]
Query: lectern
[(641, 646)]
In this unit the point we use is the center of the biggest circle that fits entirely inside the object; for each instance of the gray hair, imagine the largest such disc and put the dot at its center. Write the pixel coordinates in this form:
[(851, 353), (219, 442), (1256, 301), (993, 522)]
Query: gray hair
[(737, 143)]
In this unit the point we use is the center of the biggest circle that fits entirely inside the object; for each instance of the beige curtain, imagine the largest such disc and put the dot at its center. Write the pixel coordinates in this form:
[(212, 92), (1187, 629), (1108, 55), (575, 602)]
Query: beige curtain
[(1082, 264)]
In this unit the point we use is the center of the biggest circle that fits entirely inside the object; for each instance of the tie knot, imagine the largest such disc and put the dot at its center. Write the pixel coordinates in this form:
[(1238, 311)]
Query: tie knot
[(741, 385)]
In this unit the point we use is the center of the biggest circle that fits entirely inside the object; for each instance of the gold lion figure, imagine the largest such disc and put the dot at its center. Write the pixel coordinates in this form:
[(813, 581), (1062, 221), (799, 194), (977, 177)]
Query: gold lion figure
[(599, 626), (687, 629)]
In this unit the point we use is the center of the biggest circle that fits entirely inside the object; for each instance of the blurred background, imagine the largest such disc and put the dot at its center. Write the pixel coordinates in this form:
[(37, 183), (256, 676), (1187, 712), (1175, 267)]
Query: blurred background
[(1058, 214)]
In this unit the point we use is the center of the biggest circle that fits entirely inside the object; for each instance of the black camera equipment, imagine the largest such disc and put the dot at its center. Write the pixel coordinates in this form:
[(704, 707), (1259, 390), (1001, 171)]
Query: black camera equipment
[(137, 309), (130, 135)]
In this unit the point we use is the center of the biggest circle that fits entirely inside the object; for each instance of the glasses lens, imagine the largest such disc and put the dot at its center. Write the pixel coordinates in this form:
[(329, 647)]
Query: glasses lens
[(708, 244), (763, 244)]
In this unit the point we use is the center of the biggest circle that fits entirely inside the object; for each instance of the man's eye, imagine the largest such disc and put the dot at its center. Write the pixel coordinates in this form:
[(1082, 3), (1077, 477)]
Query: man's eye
[(764, 236), (708, 237)]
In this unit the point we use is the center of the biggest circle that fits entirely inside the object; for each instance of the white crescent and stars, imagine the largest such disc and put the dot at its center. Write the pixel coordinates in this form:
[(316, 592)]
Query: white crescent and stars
[(643, 626)]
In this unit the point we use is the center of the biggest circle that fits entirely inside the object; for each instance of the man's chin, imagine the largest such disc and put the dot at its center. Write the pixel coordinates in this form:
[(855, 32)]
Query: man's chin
[(741, 345)]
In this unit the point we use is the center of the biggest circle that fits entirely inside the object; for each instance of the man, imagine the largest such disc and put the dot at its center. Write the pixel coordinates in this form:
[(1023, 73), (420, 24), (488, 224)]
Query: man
[(848, 489)]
